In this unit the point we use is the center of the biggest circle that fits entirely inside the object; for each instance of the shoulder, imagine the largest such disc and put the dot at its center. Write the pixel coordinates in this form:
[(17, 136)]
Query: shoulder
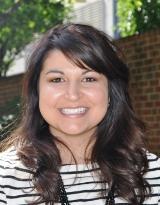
[(153, 178), (153, 172), (153, 166), (11, 166), (9, 159), (16, 185), (154, 162)]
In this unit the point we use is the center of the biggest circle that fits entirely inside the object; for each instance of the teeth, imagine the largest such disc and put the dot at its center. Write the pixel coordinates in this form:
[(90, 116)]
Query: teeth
[(71, 111)]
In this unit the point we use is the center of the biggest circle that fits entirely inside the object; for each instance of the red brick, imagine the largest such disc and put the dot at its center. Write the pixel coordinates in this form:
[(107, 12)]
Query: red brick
[(154, 82)]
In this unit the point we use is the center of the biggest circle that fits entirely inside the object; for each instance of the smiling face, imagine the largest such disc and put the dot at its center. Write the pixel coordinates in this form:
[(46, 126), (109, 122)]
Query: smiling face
[(73, 101)]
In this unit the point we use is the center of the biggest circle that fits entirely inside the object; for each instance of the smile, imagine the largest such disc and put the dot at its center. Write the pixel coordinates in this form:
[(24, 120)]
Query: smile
[(73, 111)]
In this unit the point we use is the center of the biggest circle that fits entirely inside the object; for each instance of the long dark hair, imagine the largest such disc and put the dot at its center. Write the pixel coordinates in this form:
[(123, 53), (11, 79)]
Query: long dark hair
[(119, 149)]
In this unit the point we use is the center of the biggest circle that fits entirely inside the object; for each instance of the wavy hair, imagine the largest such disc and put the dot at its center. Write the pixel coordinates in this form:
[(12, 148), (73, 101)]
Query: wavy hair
[(119, 149)]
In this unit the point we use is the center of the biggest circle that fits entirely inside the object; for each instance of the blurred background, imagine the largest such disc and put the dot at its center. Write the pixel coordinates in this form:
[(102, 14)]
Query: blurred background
[(134, 25)]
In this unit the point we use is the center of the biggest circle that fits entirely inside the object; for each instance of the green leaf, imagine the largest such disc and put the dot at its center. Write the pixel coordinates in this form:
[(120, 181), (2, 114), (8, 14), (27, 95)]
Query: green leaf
[(137, 16), (20, 20)]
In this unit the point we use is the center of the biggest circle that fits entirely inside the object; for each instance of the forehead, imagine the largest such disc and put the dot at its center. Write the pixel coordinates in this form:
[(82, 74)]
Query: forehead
[(56, 59)]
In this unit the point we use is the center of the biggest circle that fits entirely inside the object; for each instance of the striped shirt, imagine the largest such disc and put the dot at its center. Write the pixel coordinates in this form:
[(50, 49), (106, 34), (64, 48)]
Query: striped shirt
[(16, 186)]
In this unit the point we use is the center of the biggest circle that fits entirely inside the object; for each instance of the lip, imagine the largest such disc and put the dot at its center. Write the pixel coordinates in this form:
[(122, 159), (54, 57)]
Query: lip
[(73, 111)]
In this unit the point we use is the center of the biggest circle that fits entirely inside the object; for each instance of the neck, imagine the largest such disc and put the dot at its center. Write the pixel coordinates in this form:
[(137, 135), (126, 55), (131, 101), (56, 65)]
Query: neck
[(75, 151)]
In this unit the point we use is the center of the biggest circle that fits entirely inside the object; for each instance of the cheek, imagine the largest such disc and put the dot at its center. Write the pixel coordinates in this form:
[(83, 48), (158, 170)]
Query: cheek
[(49, 94), (101, 101), (99, 96), (45, 99)]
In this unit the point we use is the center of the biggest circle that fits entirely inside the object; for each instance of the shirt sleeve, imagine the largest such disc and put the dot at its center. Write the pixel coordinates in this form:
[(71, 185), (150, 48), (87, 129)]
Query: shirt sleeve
[(4, 167), (159, 182), (153, 178), (159, 196), (2, 191)]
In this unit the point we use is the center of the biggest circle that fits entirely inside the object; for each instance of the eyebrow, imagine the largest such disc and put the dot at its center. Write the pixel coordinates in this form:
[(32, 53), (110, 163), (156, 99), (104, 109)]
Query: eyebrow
[(62, 73), (54, 71)]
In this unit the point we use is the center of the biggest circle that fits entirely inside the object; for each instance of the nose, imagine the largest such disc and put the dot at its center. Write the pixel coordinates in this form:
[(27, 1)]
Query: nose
[(73, 91)]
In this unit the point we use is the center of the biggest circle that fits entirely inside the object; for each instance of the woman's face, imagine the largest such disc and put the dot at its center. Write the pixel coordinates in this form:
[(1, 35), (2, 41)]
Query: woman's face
[(73, 101)]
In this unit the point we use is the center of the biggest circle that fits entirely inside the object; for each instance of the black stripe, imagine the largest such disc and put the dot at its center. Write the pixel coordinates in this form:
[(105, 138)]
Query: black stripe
[(79, 177), (130, 204), (86, 191), (18, 169), (150, 204), (153, 169), (3, 201), (13, 187), (149, 178), (155, 185), (2, 192), (153, 159), (78, 172), (5, 161), (85, 200), (84, 183), (21, 195), (15, 178)]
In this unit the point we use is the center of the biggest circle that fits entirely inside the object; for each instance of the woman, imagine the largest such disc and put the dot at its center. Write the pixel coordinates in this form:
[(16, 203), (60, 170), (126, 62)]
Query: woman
[(79, 141)]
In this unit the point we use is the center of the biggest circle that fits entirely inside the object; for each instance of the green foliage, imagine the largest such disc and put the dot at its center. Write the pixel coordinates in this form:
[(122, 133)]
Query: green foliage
[(20, 19), (137, 16)]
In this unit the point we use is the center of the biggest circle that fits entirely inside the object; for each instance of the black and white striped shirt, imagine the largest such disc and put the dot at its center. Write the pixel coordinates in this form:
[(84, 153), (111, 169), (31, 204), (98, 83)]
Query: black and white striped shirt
[(16, 186)]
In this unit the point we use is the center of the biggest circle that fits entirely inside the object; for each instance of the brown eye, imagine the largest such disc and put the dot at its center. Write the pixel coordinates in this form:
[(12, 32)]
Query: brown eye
[(89, 79), (57, 80)]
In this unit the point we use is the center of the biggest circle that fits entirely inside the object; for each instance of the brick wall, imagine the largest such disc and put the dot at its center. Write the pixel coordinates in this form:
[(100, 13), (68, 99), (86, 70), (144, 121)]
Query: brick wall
[(142, 54), (10, 87), (143, 57)]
